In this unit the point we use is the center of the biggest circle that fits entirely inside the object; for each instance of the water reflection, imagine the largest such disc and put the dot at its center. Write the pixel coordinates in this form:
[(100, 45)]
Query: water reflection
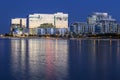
[(39, 59), (52, 59), (96, 59)]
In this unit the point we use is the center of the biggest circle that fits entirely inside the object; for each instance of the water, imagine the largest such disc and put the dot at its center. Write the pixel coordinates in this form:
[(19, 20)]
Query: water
[(52, 59)]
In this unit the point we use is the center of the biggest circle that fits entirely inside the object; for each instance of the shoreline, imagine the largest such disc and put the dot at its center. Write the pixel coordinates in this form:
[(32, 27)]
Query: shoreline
[(60, 38)]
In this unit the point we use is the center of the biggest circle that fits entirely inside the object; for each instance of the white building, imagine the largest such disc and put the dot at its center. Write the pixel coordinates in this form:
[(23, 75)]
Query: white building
[(103, 23), (18, 25), (98, 16), (35, 20), (58, 20), (19, 21), (61, 20)]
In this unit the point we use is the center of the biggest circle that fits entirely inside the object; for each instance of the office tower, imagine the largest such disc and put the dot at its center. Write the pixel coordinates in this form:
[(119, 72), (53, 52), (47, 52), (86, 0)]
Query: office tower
[(103, 23), (58, 20), (18, 25)]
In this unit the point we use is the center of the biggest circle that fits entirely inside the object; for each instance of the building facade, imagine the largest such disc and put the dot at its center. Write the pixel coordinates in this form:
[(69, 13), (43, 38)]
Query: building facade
[(79, 28), (103, 23), (58, 20), (21, 22), (97, 23), (18, 25)]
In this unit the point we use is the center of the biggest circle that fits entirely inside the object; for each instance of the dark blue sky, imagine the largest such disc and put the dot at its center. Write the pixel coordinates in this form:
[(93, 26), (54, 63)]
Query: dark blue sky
[(78, 10)]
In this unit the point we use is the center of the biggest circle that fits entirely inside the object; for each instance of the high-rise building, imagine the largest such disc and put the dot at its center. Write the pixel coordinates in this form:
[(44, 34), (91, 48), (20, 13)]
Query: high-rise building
[(35, 20), (103, 23), (61, 20), (98, 16), (57, 20), (79, 27), (17, 25), (19, 22), (97, 23), (118, 28)]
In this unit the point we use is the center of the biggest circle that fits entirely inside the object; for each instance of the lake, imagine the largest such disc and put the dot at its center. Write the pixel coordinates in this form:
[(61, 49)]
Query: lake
[(59, 59)]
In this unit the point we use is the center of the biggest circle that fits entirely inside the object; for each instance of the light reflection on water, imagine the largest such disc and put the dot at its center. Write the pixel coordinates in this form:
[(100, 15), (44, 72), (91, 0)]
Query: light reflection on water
[(35, 59), (52, 59)]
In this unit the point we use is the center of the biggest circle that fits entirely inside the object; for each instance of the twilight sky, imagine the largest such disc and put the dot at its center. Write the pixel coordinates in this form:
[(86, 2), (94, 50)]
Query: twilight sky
[(78, 10)]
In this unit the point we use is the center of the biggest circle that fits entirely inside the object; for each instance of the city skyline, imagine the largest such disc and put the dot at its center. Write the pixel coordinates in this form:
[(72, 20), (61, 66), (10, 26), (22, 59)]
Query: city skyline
[(57, 23), (77, 10)]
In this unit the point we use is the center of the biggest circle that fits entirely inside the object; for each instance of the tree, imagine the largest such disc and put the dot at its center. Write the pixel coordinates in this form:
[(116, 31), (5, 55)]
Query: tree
[(47, 25)]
